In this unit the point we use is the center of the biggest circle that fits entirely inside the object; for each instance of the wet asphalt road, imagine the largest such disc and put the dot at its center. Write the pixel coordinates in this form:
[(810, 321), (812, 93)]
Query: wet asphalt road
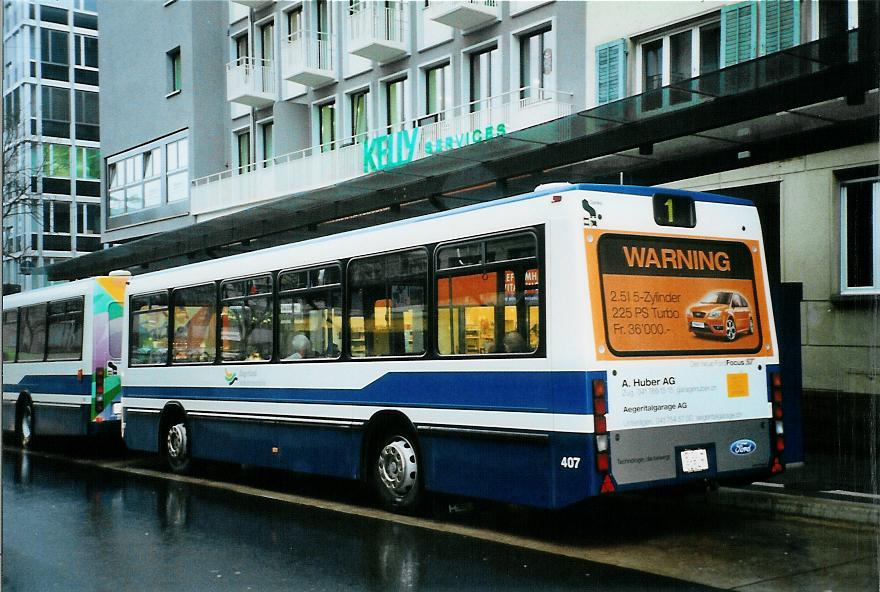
[(71, 527)]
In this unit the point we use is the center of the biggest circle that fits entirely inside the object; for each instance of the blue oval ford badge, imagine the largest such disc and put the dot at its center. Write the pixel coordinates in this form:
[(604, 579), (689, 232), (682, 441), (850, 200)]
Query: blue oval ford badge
[(743, 447)]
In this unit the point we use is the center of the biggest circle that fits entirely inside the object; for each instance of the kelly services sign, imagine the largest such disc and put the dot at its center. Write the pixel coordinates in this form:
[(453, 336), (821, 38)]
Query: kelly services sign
[(392, 150)]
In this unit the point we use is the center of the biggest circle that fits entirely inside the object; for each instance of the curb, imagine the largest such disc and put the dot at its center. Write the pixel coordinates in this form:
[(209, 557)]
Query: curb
[(797, 505)]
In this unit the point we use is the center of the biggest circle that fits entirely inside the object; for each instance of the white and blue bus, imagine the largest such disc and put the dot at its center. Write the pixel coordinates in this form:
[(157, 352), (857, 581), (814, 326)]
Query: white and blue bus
[(61, 348), (539, 350)]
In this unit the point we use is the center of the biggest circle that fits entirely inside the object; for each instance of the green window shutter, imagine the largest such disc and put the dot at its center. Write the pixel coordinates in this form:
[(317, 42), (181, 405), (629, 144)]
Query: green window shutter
[(611, 71), (739, 41), (780, 25)]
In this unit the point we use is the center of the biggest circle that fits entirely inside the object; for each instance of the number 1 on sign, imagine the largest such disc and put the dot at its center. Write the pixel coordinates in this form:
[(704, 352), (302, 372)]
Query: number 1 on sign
[(668, 204)]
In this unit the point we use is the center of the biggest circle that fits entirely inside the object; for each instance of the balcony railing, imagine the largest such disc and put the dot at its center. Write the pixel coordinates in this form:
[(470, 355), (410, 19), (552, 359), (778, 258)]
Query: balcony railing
[(377, 32), (345, 159), (307, 58), (251, 81), (464, 14)]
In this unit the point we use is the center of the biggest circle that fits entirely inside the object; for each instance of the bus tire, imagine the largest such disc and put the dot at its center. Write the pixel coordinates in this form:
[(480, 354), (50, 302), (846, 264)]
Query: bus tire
[(24, 423), (730, 329), (175, 442), (395, 472)]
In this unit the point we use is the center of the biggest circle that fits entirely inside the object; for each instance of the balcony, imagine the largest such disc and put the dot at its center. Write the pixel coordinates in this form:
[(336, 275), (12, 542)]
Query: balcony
[(255, 4), (346, 159), (377, 32), (251, 82), (307, 58), (464, 14)]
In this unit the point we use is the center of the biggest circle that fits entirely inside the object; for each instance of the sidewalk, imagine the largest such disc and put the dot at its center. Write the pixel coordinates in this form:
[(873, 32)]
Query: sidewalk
[(825, 487)]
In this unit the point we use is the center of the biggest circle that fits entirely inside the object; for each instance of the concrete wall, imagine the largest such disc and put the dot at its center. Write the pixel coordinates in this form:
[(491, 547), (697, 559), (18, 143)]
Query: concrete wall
[(840, 337), (136, 106)]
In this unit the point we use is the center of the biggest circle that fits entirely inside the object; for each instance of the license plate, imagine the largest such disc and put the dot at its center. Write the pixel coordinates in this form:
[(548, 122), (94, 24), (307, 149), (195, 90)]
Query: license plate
[(698, 324), (694, 461)]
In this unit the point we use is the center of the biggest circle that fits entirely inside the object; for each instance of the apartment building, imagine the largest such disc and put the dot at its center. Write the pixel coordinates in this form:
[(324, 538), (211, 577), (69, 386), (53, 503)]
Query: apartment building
[(51, 135), (253, 101)]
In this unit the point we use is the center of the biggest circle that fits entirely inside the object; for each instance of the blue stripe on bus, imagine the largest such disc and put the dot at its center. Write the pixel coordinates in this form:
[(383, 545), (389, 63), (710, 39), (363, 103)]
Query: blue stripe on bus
[(540, 392), (60, 384)]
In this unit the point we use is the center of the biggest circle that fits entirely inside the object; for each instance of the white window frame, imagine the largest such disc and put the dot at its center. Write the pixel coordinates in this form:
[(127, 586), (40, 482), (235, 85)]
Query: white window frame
[(316, 128), (852, 15), (79, 51), (119, 160), (448, 86), (347, 119), (516, 38), (497, 79), (666, 34), (261, 144), (258, 34), (238, 167), (875, 289), (382, 105)]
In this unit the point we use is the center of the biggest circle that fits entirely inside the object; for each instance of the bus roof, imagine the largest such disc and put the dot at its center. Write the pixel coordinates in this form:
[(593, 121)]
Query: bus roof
[(541, 191), (54, 292)]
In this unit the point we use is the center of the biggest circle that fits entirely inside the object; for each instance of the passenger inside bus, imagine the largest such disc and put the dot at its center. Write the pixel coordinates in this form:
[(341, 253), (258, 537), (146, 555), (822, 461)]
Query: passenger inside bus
[(514, 343), (302, 347)]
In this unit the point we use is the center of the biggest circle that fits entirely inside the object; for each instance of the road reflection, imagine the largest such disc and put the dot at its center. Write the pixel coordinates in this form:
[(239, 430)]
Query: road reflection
[(77, 527)]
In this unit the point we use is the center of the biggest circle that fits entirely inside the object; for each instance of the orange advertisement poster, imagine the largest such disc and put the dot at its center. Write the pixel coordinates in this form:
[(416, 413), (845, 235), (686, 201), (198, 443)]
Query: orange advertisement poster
[(678, 296)]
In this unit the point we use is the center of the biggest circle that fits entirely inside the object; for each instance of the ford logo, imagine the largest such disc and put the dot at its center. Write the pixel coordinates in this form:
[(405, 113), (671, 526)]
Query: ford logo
[(743, 447)]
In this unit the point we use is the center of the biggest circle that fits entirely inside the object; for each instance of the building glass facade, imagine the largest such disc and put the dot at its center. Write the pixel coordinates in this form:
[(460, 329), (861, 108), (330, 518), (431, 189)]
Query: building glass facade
[(51, 197)]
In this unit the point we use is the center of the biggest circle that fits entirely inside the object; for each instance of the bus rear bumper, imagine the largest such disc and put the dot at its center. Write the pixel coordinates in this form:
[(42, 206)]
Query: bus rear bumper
[(649, 457)]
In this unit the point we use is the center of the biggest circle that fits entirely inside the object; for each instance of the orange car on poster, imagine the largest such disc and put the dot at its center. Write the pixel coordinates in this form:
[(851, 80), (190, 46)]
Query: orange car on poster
[(721, 314)]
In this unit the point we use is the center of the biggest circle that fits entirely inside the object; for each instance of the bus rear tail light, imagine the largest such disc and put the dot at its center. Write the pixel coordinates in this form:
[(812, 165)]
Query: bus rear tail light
[(777, 466), (778, 429), (600, 429), (99, 390), (607, 485)]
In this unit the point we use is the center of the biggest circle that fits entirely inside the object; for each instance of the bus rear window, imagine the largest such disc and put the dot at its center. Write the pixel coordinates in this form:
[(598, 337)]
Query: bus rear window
[(678, 296)]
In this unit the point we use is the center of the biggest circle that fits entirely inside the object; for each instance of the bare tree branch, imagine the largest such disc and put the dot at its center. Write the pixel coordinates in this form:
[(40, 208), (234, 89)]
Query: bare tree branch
[(20, 180)]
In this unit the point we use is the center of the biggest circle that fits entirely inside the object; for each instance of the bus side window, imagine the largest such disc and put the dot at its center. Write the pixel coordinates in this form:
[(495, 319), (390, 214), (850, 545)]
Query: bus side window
[(488, 297), (148, 340), (194, 317), (388, 296), (65, 330), (32, 334), (310, 304), (10, 334), (246, 320)]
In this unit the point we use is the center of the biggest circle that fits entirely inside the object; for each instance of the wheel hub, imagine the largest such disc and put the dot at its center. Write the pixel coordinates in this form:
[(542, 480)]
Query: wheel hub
[(398, 469), (177, 442), (25, 427)]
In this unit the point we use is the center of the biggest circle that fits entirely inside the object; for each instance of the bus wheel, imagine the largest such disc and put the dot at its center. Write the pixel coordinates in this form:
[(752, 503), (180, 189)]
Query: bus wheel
[(177, 446), (730, 330), (396, 476), (24, 425)]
